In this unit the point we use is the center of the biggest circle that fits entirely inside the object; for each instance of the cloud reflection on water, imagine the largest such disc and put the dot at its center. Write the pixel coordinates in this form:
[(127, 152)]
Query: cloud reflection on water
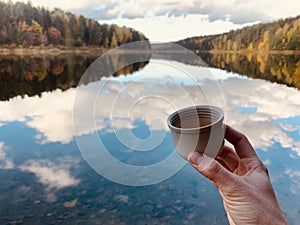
[(53, 119), (53, 175), (273, 126), (5, 161)]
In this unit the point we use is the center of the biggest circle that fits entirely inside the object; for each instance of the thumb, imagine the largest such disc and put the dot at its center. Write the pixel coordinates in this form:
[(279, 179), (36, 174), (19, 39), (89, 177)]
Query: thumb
[(211, 169)]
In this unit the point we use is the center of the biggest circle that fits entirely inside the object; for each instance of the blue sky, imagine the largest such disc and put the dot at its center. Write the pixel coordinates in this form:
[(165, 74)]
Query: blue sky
[(170, 20)]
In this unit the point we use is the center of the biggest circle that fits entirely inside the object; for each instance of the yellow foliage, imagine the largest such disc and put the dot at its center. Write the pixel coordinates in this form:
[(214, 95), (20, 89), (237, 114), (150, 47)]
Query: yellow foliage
[(264, 45), (262, 59), (285, 28), (293, 29), (260, 46), (250, 46), (227, 58), (287, 75), (41, 75), (234, 46), (296, 75), (222, 64), (266, 40), (234, 57), (273, 71), (224, 38), (278, 74), (228, 48), (297, 70), (249, 56)]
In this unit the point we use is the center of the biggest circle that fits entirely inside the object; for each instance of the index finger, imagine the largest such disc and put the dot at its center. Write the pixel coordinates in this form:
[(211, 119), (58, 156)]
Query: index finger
[(240, 142)]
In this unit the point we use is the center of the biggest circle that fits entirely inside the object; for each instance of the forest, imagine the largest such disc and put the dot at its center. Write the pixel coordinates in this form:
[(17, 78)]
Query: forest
[(23, 26), (281, 35)]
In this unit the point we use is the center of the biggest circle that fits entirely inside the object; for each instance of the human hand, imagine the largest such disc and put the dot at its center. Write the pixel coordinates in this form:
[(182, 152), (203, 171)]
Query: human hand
[(243, 182)]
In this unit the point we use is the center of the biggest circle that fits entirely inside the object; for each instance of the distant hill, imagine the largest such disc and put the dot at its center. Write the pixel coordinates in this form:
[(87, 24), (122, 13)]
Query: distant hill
[(22, 25), (281, 35)]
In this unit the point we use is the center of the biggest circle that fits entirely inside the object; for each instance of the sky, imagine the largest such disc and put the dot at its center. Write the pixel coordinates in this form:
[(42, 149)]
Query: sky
[(172, 20)]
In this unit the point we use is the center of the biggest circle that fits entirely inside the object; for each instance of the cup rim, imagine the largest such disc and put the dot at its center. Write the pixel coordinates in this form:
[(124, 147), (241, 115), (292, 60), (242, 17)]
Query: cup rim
[(196, 107)]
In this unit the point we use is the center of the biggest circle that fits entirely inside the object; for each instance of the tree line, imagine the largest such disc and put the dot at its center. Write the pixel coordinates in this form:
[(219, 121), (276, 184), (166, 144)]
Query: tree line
[(22, 25), (283, 34)]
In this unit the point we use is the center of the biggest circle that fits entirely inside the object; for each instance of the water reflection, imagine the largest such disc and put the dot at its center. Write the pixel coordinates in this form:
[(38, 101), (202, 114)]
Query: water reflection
[(45, 180), (245, 110), (32, 75), (283, 69), (53, 175), (5, 162), (272, 114)]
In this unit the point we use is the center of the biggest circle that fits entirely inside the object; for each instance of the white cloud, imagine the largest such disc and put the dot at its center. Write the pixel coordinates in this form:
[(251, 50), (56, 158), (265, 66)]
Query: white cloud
[(166, 28), (236, 11), (289, 127), (294, 175), (53, 175), (39, 111), (272, 101), (65, 5), (5, 161), (267, 162)]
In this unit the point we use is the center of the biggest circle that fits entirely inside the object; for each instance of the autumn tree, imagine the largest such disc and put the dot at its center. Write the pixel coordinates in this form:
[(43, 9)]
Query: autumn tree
[(279, 35), (24, 25)]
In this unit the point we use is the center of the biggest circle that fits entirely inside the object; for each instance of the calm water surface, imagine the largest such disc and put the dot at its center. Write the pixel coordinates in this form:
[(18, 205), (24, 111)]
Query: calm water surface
[(46, 180)]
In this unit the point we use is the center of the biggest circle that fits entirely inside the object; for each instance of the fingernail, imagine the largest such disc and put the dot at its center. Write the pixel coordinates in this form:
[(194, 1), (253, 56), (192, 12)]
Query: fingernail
[(195, 157)]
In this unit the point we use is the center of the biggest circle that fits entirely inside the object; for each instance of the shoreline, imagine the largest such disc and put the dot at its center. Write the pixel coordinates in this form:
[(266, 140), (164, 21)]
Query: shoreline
[(52, 51), (258, 52), (95, 50)]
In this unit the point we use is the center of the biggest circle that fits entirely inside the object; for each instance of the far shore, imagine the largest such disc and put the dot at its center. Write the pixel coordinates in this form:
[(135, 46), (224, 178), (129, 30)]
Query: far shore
[(259, 52), (52, 51), (95, 50)]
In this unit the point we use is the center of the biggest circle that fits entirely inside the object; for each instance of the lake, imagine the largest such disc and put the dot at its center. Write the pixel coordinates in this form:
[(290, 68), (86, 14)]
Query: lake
[(79, 146)]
